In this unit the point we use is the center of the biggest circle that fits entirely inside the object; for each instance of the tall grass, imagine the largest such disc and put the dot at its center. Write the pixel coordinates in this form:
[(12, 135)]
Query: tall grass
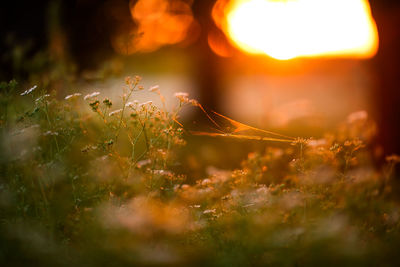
[(91, 181)]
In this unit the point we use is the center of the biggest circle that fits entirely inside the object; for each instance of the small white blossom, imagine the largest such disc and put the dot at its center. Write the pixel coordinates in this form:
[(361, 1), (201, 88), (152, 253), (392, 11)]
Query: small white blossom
[(361, 115), (181, 94), (72, 96), (142, 163), (92, 95), (206, 181), (154, 88), (209, 211), (30, 90), (183, 97), (115, 112), (162, 172), (41, 97), (146, 103), (50, 133), (316, 143), (131, 104)]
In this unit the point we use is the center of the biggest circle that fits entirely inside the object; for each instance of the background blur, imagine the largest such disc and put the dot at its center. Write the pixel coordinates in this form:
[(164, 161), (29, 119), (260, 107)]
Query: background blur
[(184, 45)]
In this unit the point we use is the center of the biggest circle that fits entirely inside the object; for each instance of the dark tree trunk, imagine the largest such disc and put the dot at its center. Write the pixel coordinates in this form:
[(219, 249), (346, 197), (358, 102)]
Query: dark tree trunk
[(387, 68), (206, 76)]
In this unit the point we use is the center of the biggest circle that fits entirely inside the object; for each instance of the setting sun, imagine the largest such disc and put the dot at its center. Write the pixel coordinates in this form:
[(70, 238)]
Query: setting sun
[(286, 29)]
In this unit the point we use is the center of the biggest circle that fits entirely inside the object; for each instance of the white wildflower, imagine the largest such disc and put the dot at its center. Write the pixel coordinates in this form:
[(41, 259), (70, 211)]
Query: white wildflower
[(361, 115), (185, 186), (209, 211), (50, 133), (154, 88), (92, 95), (316, 143), (181, 94), (115, 112), (72, 96), (206, 182), (30, 90), (142, 163), (41, 97), (131, 104), (162, 172), (146, 103), (183, 97)]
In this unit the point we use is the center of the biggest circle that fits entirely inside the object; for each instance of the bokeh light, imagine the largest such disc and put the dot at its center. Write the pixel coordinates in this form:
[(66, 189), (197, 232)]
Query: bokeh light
[(157, 23), (299, 28)]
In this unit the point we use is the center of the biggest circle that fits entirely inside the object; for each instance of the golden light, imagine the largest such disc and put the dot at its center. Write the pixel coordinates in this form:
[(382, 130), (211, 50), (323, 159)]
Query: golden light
[(154, 24), (286, 29)]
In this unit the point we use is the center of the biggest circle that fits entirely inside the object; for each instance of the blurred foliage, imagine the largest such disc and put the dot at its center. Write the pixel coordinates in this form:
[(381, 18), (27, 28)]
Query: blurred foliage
[(93, 181)]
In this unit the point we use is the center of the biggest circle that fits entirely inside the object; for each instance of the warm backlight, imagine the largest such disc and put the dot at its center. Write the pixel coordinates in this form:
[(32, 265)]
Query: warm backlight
[(286, 29)]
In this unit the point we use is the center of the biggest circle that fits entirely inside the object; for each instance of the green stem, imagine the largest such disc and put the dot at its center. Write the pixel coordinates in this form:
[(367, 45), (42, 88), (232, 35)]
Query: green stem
[(124, 101)]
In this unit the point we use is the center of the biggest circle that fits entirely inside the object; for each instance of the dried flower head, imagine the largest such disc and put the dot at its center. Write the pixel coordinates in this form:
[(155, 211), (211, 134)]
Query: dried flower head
[(94, 105), (107, 102)]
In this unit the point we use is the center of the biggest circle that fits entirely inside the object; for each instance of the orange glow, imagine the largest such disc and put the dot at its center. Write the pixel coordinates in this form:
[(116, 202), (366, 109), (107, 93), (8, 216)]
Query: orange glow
[(286, 29), (161, 22), (218, 44), (156, 23)]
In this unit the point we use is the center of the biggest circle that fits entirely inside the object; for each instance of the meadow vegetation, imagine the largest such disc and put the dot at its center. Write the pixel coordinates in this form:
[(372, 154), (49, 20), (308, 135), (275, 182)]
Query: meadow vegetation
[(91, 181)]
